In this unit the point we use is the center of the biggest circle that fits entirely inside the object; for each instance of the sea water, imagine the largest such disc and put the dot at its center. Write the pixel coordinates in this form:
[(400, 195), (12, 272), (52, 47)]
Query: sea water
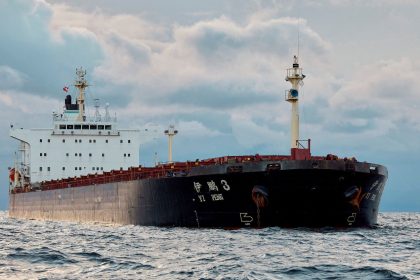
[(31, 249)]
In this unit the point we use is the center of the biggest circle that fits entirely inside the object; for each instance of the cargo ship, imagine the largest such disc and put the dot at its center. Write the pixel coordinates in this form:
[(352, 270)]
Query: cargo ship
[(87, 170)]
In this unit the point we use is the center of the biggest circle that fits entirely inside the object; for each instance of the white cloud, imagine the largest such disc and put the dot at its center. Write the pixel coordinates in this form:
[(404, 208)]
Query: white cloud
[(10, 77)]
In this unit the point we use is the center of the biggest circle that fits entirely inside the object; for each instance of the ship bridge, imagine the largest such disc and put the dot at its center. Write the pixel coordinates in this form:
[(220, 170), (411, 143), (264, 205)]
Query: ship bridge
[(76, 144)]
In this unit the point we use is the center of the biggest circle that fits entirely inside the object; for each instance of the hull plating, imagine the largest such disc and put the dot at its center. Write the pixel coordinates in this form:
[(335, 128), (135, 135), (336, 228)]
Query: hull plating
[(293, 193)]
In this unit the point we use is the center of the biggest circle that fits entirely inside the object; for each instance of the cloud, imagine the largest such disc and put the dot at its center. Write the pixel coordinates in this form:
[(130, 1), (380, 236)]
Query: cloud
[(170, 60), (27, 47), (10, 77)]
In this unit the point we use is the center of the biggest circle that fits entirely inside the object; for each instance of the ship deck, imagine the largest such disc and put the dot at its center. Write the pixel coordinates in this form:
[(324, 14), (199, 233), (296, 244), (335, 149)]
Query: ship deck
[(165, 170)]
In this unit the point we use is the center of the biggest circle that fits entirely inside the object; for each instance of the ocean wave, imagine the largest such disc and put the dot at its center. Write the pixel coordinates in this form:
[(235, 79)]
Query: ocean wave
[(31, 249)]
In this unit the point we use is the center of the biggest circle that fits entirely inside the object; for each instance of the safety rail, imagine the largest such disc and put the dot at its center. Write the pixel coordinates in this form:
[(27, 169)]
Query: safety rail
[(136, 173)]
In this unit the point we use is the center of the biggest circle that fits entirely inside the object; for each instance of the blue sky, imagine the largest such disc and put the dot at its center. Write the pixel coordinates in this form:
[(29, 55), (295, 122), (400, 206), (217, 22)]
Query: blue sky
[(216, 69)]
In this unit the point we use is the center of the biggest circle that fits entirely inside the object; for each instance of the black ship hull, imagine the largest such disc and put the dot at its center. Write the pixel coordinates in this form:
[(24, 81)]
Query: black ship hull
[(290, 193)]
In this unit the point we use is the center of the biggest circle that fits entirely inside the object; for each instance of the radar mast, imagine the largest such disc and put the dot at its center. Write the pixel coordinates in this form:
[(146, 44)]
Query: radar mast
[(81, 84), (295, 77)]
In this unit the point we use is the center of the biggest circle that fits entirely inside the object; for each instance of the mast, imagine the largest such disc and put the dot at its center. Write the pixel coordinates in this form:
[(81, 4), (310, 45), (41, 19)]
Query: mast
[(171, 132), (81, 84), (295, 77)]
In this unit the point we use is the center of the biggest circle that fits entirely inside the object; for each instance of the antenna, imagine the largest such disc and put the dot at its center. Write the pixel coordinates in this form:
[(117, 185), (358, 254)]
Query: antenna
[(97, 114), (298, 31), (298, 38), (107, 116)]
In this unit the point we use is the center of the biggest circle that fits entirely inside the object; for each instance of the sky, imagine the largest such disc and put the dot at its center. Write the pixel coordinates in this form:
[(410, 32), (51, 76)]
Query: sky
[(216, 70)]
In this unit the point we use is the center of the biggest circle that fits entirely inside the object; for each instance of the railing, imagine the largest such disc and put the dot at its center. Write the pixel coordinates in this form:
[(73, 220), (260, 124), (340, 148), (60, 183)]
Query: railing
[(175, 169), (300, 144)]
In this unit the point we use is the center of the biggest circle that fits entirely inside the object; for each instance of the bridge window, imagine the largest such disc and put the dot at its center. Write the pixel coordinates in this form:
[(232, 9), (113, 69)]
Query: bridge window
[(77, 126), (93, 126), (108, 127), (69, 126), (85, 126), (100, 127), (62, 126)]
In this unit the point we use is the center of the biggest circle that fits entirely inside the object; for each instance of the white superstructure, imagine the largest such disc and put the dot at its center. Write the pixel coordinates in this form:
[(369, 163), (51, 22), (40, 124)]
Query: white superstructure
[(76, 145)]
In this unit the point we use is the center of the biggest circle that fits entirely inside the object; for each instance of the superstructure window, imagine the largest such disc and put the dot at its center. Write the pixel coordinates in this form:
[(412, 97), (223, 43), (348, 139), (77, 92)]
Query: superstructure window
[(49, 140), (94, 140), (80, 168), (69, 126), (90, 140), (64, 168), (45, 154), (93, 168), (40, 140), (75, 140), (125, 155), (40, 169), (121, 141), (93, 126), (103, 154), (129, 141), (62, 126), (75, 168), (100, 127), (67, 154), (85, 126), (77, 126), (108, 127), (64, 140), (48, 168), (128, 155), (80, 154), (75, 154), (80, 140), (106, 141), (90, 154), (102, 168), (40, 154)]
